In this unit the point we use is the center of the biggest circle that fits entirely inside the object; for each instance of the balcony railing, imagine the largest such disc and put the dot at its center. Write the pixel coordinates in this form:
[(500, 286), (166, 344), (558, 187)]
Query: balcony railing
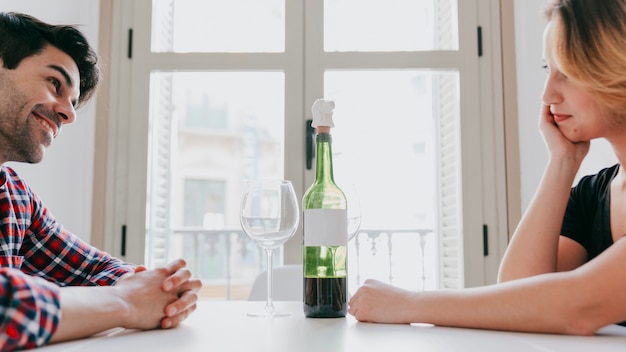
[(228, 262)]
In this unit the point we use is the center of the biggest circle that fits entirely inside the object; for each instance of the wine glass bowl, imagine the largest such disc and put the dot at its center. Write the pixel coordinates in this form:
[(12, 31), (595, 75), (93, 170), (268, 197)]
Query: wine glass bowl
[(269, 217), (265, 232), (354, 210)]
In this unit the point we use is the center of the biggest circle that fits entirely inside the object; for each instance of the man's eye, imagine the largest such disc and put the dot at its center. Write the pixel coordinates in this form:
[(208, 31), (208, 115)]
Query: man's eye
[(545, 68), (55, 83)]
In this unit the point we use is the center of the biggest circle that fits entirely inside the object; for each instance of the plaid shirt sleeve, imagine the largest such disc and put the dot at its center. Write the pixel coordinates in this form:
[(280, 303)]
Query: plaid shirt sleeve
[(55, 254), (37, 255), (58, 256), (29, 310)]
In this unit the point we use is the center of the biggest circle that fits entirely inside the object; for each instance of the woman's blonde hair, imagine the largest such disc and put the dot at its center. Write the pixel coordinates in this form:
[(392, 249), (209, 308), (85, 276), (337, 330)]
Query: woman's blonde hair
[(591, 49)]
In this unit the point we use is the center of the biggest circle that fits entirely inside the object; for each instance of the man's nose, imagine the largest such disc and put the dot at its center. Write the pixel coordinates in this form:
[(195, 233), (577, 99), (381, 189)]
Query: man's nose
[(66, 112)]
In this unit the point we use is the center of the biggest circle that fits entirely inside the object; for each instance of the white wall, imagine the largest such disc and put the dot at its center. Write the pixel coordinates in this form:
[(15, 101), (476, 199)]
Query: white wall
[(64, 179), (529, 24)]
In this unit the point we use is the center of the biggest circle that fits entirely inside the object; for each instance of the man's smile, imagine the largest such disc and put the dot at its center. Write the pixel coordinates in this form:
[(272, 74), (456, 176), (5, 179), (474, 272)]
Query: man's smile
[(47, 124)]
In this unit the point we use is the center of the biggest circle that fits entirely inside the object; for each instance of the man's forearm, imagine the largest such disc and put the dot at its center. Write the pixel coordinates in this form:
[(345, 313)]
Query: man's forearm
[(88, 310)]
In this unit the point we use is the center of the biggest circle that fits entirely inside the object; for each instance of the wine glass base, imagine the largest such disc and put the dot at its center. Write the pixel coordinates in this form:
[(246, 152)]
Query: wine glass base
[(264, 314), (269, 312)]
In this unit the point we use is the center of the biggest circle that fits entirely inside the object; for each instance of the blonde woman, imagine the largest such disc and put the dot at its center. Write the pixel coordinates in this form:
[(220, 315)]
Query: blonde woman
[(565, 268)]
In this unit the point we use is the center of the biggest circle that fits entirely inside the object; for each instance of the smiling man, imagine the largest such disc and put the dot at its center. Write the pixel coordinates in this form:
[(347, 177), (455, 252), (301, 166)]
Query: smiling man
[(54, 286), (39, 98)]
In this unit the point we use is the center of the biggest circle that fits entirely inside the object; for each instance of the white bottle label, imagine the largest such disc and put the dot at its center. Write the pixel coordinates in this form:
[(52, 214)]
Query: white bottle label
[(325, 227)]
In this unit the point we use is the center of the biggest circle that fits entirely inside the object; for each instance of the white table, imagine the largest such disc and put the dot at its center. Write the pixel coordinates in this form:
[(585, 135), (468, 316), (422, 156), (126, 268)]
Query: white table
[(224, 326)]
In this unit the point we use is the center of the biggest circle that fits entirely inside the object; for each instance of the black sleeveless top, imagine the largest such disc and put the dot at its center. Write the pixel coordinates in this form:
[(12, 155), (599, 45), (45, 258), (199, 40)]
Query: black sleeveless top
[(587, 218)]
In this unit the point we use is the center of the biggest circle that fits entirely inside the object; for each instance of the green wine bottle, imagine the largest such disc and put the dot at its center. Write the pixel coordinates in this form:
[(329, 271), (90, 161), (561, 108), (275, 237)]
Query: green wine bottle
[(325, 228)]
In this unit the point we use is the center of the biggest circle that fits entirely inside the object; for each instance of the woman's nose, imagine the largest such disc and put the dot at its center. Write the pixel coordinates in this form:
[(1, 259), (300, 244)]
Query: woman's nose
[(551, 94)]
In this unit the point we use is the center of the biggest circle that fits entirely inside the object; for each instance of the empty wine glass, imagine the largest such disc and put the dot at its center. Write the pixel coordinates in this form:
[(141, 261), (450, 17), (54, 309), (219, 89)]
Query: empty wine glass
[(354, 210), (269, 217)]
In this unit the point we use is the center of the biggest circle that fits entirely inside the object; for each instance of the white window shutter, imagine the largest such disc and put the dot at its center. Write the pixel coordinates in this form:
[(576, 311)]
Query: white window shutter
[(448, 202), (160, 146)]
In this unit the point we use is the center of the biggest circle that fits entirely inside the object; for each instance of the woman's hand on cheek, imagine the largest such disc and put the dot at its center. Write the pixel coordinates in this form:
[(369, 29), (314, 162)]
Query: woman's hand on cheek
[(558, 144)]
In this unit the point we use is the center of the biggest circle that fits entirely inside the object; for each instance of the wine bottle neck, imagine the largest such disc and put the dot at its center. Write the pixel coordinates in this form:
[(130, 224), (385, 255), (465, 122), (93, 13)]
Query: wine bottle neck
[(324, 159)]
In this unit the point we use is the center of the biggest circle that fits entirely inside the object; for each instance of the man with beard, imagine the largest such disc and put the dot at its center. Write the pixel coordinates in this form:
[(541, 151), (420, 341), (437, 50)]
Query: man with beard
[(54, 286)]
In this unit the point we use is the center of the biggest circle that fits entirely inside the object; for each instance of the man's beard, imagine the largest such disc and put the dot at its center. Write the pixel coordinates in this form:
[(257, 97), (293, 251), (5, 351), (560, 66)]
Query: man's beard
[(17, 135), (25, 149), (20, 146)]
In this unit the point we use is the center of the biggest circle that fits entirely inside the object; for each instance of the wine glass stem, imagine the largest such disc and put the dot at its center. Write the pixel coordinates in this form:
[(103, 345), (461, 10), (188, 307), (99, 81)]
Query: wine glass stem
[(269, 306)]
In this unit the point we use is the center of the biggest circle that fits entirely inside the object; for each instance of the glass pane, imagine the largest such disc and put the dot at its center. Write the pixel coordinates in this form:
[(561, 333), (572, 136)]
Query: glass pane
[(209, 132), (218, 26), (390, 25), (400, 128)]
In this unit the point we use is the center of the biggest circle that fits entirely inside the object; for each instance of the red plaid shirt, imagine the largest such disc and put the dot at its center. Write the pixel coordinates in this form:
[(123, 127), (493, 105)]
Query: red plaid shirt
[(37, 255)]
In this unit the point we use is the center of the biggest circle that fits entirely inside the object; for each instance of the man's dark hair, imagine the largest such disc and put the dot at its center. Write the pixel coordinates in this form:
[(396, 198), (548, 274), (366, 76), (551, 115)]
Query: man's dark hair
[(22, 36)]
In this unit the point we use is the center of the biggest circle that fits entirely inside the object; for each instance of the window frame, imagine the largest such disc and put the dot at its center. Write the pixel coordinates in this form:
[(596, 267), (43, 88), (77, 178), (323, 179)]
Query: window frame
[(485, 185)]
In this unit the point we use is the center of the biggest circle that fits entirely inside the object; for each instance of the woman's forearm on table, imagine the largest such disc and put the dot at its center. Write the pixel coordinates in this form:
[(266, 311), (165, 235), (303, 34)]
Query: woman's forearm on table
[(549, 303), (534, 246)]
